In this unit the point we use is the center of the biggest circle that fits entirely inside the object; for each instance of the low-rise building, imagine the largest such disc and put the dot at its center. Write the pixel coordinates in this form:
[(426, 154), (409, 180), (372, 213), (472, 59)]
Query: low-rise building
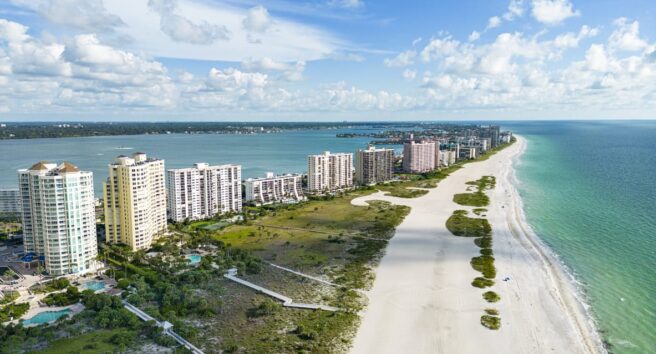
[(374, 165), (274, 189), (203, 191)]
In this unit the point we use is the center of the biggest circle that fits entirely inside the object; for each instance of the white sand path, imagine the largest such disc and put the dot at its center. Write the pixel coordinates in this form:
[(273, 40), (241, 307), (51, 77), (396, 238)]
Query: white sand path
[(422, 300)]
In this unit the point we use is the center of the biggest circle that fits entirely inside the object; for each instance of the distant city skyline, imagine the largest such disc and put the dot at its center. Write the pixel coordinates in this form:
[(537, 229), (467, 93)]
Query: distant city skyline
[(326, 60)]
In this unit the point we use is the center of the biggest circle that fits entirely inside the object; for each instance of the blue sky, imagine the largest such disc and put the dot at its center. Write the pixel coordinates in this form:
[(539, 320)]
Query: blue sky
[(326, 60)]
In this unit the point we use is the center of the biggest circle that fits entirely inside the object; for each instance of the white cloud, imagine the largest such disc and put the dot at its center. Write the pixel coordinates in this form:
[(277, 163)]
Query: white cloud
[(290, 71), (515, 9), (493, 22), (403, 59), (181, 29), (595, 58), (257, 20), (409, 74), (553, 12), (89, 15), (290, 41), (571, 40), (626, 36), (474, 36), (416, 41)]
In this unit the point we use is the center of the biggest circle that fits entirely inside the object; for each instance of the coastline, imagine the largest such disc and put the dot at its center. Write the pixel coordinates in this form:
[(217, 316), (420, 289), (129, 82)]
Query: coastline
[(422, 300)]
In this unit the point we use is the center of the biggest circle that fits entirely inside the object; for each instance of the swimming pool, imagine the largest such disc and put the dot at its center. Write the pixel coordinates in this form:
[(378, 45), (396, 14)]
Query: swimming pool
[(194, 258), (95, 285), (45, 317)]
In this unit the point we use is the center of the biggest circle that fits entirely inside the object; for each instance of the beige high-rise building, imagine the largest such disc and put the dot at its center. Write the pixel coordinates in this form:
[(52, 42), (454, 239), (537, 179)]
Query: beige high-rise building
[(58, 215), (135, 201), (203, 191), (330, 172), (374, 165), (419, 157)]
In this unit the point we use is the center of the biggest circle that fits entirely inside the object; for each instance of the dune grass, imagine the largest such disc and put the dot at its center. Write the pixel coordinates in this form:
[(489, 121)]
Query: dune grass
[(491, 322), (492, 312), (491, 296), (485, 265), (461, 225), (480, 282)]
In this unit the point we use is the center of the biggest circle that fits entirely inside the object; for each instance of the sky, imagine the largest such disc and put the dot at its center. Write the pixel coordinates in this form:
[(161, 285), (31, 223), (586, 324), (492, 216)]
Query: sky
[(326, 60)]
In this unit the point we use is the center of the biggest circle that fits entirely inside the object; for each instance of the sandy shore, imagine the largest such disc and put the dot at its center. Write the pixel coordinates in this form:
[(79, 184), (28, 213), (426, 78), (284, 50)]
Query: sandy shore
[(422, 300)]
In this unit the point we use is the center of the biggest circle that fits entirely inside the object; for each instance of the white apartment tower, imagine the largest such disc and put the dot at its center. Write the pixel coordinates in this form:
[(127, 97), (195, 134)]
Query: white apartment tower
[(203, 191), (10, 201), (135, 201), (374, 165), (419, 157), (330, 172), (272, 189), (59, 218)]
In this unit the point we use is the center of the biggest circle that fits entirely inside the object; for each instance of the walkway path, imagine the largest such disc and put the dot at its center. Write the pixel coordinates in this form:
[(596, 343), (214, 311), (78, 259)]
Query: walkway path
[(303, 275), (286, 301), (168, 327)]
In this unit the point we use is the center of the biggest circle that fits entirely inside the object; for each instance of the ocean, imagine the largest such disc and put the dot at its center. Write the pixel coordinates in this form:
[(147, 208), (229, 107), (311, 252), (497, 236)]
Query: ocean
[(589, 190)]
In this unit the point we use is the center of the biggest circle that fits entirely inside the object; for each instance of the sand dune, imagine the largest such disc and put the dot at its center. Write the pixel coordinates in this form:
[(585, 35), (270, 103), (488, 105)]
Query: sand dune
[(422, 300)]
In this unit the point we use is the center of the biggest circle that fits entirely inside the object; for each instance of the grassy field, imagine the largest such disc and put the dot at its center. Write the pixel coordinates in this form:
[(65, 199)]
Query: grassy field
[(94, 342), (328, 238)]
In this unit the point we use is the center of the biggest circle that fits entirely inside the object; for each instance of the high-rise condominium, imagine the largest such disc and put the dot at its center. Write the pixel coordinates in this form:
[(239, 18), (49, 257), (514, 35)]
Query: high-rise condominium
[(330, 172), (135, 201), (374, 165), (10, 201), (274, 189), (203, 191), (59, 223), (419, 157)]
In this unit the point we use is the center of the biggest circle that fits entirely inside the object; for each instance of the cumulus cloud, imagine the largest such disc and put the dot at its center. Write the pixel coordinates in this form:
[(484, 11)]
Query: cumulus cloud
[(181, 29), (90, 15), (552, 12), (290, 71), (257, 19), (626, 36), (474, 36), (403, 59), (515, 9)]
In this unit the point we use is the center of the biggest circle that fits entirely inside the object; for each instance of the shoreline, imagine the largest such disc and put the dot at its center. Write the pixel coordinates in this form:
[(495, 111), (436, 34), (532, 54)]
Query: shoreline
[(422, 300)]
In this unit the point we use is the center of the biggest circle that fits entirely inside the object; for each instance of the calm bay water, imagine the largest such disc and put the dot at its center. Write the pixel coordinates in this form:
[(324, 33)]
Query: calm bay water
[(280, 153), (589, 189)]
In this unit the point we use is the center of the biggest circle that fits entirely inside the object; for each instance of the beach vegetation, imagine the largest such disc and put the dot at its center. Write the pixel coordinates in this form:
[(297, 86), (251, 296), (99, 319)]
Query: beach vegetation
[(491, 322), (484, 242), (476, 199), (9, 296), (491, 296), (481, 282), (492, 312), (485, 265), (461, 225), (486, 252)]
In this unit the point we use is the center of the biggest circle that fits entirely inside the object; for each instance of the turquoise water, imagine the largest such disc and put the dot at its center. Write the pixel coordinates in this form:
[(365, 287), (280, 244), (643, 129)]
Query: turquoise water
[(194, 258), (95, 285), (45, 317), (589, 191)]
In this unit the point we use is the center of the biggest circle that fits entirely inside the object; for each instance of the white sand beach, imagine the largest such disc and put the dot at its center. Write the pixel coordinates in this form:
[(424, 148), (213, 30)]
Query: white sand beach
[(422, 300)]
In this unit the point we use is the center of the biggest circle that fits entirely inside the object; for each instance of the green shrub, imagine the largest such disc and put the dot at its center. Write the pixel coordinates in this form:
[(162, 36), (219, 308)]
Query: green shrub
[(491, 296), (481, 282), (484, 242), (486, 252), (492, 312), (491, 322), (485, 265), (461, 225)]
